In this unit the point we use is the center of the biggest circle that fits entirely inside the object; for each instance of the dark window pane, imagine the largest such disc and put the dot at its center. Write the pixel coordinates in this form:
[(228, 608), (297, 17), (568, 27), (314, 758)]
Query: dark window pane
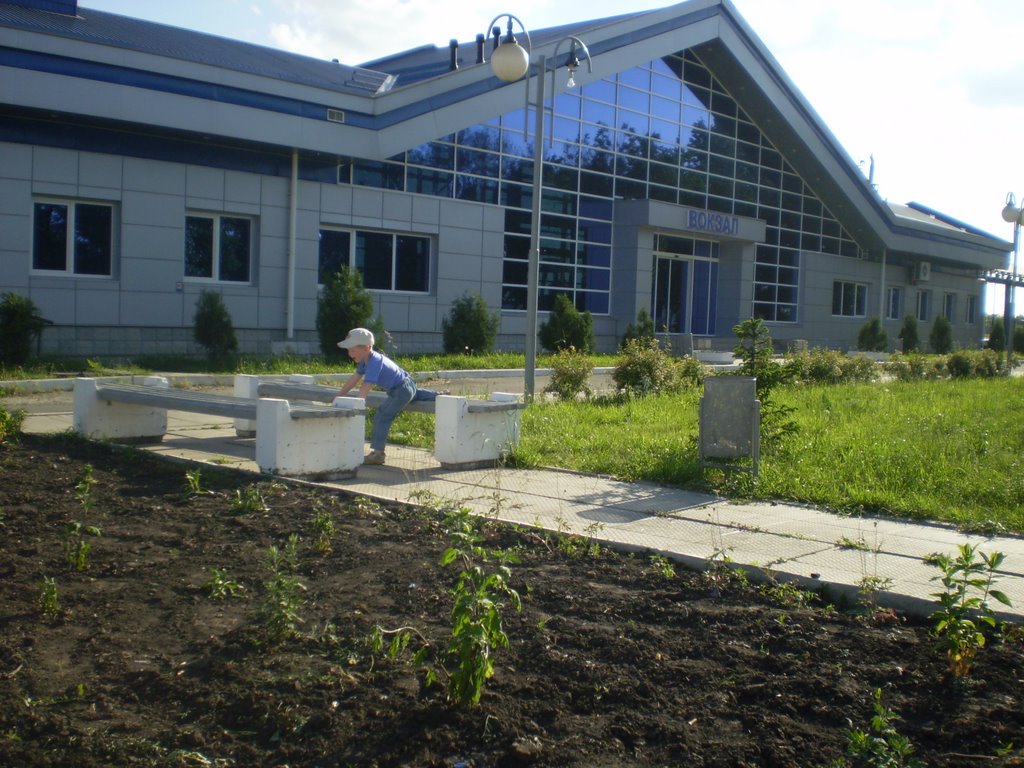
[(49, 244), (198, 246), (334, 252), (93, 232), (412, 268), (373, 259), (235, 239)]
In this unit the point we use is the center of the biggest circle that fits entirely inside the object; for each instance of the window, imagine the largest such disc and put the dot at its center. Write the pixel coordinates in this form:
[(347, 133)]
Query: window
[(73, 238), (949, 306), (218, 247), (923, 308), (386, 261), (849, 299), (971, 315), (893, 303)]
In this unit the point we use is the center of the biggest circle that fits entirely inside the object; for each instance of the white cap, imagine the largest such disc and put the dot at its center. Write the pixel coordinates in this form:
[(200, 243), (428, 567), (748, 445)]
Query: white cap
[(357, 337)]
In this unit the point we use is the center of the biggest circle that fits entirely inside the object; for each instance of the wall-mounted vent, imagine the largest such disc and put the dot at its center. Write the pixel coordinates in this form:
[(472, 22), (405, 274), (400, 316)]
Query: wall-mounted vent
[(921, 272), (336, 115)]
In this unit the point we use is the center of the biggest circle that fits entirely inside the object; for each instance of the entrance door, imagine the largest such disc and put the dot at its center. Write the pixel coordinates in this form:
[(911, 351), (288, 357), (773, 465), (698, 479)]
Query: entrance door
[(671, 295)]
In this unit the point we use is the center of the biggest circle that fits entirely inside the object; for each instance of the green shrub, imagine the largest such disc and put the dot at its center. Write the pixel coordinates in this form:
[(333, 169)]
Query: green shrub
[(567, 327), (872, 337), (20, 324), (212, 327), (973, 363), (570, 372), (916, 367), (997, 335), (1018, 337), (644, 368), (827, 366), (470, 328), (10, 424), (909, 334), (644, 328), (940, 339), (344, 304)]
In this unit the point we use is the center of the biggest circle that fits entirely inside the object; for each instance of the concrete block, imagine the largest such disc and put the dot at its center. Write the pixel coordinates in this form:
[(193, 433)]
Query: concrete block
[(463, 439), (314, 448), (101, 420)]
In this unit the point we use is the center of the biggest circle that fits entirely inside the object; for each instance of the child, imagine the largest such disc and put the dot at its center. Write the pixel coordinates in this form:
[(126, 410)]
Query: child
[(377, 369)]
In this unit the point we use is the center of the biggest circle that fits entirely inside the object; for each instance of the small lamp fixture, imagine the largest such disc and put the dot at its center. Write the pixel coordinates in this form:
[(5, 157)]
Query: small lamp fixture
[(1011, 213), (510, 60), (572, 63)]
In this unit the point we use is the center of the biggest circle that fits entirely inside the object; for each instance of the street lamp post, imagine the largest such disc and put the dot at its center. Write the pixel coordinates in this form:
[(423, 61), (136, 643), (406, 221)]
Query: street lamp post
[(510, 62), (1012, 213)]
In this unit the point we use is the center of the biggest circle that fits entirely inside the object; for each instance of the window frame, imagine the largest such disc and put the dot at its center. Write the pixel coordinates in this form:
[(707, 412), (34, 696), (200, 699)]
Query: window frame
[(893, 303), (395, 271), (72, 237), (860, 298), (949, 306), (216, 254), (922, 306)]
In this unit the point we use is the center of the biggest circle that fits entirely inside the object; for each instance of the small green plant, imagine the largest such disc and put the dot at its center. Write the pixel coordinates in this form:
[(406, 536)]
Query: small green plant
[(212, 327), (49, 605), (76, 546), (194, 483), (476, 614), (470, 327), (754, 350), (279, 612), (570, 372), (567, 327), (220, 586), (964, 607), (322, 530), (644, 368), (248, 500), (642, 331), (881, 747), (84, 488), (663, 566), (10, 425)]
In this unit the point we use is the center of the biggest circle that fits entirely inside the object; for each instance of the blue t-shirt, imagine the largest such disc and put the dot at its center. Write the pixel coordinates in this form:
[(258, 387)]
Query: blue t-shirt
[(381, 371)]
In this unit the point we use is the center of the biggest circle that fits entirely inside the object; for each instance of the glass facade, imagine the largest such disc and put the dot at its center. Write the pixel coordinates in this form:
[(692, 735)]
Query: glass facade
[(665, 131)]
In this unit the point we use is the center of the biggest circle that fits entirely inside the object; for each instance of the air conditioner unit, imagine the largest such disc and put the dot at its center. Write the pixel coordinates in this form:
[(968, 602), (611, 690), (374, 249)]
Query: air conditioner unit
[(922, 272)]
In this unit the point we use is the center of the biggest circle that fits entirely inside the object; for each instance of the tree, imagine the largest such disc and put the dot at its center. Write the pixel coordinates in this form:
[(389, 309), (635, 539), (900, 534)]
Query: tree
[(909, 334), (642, 331), (940, 339), (754, 349), (212, 327), (344, 304), (997, 335), (20, 323), (470, 327), (567, 327), (872, 337)]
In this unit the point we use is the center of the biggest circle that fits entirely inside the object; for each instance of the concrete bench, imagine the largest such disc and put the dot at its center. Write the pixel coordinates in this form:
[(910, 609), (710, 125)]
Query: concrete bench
[(298, 440), (467, 432)]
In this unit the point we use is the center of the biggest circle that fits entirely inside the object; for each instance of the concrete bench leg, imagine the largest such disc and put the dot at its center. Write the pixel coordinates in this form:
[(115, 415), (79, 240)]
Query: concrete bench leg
[(312, 447), (99, 419), (464, 440), (248, 386)]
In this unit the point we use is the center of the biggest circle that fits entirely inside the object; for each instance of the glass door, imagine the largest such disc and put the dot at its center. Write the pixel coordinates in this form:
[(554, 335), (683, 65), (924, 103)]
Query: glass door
[(671, 295)]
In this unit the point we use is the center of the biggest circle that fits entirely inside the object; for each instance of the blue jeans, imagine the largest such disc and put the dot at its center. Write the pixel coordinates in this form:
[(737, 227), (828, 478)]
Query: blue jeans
[(399, 396)]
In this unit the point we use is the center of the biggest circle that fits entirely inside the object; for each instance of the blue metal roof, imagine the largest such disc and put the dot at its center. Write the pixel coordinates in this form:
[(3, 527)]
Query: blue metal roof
[(124, 32)]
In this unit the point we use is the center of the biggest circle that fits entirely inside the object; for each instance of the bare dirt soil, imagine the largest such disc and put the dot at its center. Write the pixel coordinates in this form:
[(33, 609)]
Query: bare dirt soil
[(612, 661)]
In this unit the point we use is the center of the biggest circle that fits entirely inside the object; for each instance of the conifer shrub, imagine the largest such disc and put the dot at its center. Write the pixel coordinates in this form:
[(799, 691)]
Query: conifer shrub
[(344, 304), (20, 324), (909, 334), (470, 328), (212, 327), (996, 335), (644, 328), (940, 339), (872, 337), (567, 327)]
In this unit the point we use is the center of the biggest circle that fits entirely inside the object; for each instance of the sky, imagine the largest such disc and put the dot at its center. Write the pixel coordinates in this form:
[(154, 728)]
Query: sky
[(930, 93)]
